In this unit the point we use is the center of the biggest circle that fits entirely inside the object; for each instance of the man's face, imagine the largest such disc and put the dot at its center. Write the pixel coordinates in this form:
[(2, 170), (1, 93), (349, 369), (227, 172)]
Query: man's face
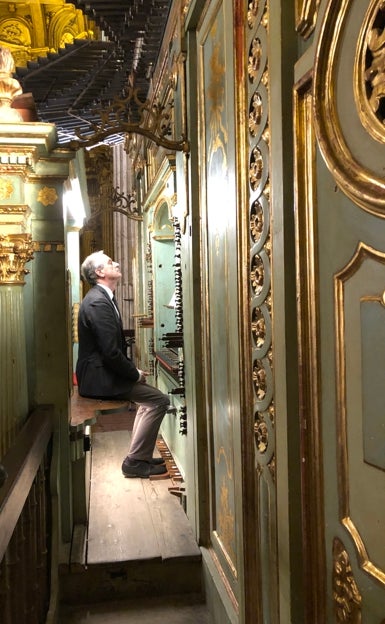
[(110, 272)]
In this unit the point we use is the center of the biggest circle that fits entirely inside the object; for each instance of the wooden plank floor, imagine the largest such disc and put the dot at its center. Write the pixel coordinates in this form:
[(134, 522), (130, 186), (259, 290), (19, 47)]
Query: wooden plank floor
[(132, 519)]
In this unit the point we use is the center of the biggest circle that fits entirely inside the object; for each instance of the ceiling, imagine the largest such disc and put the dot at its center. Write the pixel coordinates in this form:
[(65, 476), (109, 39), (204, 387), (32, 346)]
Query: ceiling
[(71, 86)]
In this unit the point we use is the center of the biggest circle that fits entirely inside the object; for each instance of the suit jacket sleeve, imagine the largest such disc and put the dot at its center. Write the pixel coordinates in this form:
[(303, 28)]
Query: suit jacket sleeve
[(101, 319)]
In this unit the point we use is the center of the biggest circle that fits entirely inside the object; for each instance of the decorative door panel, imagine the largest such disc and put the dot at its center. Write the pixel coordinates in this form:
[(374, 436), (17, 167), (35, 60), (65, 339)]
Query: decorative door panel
[(360, 328), (219, 235), (340, 243)]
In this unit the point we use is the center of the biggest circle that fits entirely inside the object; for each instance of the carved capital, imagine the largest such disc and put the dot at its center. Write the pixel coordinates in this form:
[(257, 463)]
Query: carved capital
[(15, 251)]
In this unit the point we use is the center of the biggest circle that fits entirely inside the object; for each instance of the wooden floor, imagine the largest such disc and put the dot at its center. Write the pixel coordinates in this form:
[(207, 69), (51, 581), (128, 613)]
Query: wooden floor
[(138, 542), (133, 519)]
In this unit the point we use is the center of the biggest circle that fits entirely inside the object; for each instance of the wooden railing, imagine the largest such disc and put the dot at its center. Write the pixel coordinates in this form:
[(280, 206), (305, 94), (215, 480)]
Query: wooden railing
[(25, 532)]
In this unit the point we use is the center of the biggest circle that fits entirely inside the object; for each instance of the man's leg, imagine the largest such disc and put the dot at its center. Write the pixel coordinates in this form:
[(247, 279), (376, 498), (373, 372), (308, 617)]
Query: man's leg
[(153, 405)]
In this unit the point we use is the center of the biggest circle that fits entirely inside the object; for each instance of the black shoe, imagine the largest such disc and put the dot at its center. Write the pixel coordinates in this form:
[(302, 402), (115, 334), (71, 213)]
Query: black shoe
[(141, 469), (156, 461)]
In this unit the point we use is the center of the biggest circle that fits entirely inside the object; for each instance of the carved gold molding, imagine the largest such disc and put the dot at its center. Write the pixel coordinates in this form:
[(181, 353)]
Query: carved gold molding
[(369, 72), (15, 251), (362, 253), (360, 181), (306, 16), (309, 373), (347, 598)]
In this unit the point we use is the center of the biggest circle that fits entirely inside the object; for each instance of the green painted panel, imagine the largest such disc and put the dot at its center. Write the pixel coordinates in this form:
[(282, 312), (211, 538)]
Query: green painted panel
[(373, 386)]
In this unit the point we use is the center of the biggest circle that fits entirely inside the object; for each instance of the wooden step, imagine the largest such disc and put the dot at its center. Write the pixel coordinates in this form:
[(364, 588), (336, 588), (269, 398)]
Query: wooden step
[(139, 540)]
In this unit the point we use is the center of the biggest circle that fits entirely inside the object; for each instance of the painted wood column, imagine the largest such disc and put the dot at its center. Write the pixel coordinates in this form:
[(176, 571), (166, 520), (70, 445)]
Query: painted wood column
[(15, 252)]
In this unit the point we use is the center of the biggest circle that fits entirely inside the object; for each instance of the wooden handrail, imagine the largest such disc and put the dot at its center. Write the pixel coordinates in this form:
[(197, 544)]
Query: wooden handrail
[(21, 464)]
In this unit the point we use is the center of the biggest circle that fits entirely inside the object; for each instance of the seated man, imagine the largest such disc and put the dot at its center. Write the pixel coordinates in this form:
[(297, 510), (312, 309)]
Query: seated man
[(105, 372)]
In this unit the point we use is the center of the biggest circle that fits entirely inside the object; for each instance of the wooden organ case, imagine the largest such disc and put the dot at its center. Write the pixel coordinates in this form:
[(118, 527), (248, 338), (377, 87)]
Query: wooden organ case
[(167, 307)]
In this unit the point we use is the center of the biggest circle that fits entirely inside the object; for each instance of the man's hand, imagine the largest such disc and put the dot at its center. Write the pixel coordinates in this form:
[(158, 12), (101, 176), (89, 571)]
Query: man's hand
[(143, 376)]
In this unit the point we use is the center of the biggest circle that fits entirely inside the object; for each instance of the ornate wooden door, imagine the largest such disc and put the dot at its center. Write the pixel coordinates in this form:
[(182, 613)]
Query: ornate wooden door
[(340, 246)]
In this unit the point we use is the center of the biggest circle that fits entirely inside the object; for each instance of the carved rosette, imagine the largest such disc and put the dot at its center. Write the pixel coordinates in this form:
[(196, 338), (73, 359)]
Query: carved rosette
[(15, 251)]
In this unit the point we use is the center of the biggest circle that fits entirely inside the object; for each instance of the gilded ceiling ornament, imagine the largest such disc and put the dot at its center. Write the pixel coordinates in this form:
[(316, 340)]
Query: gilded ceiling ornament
[(6, 188), (47, 196), (15, 251), (347, 598)]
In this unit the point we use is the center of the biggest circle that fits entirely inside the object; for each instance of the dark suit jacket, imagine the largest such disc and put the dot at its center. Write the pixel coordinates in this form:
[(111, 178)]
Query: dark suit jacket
[(103, 368)]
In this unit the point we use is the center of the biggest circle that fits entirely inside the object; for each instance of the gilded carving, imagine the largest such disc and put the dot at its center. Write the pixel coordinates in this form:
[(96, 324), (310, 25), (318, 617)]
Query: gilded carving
[(15, 31), (255, 58), (259, 380), (226, 521), (47, 196), (255, 12), (357, 172), (306, 16), (51, 27), (256, 221), (370, 71), (9, 87), (255, 114), (261, 433), (366, 533), (259, 277), (258, 327), (256, 168), (75, 314), (15, 251), (6, 188), (347, 598), (257, 274)]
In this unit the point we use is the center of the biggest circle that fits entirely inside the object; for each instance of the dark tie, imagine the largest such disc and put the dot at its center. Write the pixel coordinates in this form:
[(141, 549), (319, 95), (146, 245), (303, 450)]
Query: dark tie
[(116, 305)]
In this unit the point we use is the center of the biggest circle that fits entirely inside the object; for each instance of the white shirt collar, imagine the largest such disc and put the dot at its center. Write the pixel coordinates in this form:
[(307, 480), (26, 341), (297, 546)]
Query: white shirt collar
[(108, 290)]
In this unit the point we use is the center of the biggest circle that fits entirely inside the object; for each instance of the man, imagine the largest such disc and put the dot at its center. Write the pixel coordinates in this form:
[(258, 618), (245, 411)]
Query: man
[(104, 371)]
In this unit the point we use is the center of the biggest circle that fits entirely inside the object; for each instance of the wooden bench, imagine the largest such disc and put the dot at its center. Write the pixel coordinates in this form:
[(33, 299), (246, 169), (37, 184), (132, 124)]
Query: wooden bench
[(84, 411), (84, 414)]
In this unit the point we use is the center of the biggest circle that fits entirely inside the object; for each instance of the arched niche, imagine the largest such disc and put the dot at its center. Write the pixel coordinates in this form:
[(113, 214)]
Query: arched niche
[(163, 255)]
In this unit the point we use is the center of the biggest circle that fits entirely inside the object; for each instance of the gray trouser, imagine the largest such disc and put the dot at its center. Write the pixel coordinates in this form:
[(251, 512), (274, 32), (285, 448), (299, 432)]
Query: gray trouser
[(152, 407)]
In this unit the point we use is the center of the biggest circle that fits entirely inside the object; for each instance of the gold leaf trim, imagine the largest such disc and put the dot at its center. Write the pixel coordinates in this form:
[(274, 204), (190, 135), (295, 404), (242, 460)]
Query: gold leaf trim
[(360, 184)]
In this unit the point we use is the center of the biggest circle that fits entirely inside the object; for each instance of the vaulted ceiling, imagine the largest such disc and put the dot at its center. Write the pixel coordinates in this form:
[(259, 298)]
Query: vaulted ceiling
[(72, 85)]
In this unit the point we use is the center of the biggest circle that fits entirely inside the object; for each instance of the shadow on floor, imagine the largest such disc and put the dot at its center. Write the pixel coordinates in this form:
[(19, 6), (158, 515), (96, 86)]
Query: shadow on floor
[(173, 610)]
